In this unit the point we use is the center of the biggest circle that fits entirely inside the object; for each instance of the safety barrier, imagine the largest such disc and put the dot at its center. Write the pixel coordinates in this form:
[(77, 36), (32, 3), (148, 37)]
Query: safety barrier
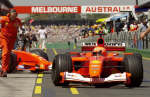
[(132, 39)]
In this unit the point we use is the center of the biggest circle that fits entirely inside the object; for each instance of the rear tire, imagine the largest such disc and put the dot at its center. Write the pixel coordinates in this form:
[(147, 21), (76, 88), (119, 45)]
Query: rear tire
[(40, 53), (61, 63), (133, 64), (13, 63)]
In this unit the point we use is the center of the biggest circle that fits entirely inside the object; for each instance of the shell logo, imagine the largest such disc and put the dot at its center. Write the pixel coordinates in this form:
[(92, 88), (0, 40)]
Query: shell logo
[(96, 62), (6, 23)]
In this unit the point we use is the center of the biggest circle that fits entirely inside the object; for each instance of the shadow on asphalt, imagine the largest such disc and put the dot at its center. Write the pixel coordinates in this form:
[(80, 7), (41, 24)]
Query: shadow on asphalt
[(94, 86), (22, 77), (147, 81), (111, 86), (47, 72)]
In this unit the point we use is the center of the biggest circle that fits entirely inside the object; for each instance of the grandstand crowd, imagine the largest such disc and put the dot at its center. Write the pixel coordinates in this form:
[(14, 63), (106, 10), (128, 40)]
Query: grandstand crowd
[(38, 35)]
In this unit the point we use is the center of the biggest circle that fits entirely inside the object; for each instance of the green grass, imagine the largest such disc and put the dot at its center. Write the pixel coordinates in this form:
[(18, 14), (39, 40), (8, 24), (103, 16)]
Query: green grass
[(144, 53), (60, 45)]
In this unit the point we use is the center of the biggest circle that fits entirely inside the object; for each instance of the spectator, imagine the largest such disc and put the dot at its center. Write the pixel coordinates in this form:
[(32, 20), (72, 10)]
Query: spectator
[(42, 32), (125, 28), (143, 34), (142, 27), (69, 44), (34, 40)]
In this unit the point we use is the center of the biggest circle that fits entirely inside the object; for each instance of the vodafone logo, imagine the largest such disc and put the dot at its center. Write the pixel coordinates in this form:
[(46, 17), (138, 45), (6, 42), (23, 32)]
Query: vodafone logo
[(56, 9)]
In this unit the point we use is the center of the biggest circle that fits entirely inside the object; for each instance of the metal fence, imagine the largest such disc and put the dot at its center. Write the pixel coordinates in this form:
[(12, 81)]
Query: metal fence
[(132, 39)]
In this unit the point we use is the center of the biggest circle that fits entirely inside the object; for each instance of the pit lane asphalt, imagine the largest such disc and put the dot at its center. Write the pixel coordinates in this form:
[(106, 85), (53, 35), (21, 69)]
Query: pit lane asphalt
[(20, 84), (49, 90)]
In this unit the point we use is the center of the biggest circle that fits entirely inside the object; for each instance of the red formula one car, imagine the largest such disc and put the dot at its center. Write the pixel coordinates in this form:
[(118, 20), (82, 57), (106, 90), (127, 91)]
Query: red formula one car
[(35, 61), (98, 66)]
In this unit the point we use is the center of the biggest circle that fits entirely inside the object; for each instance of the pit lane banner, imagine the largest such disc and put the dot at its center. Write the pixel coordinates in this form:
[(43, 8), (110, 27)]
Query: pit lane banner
[(48, 9), (106, 9), (71, 9)]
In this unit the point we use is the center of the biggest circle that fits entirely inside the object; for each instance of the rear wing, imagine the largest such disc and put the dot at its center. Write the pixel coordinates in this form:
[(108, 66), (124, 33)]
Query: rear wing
[(109, 46)]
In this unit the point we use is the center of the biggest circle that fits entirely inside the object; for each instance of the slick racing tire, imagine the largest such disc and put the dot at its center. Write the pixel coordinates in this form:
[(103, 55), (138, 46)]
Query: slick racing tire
[(40, 53), (133, 64), (12, 63), (138, 55), (73, 54), (61, 63)]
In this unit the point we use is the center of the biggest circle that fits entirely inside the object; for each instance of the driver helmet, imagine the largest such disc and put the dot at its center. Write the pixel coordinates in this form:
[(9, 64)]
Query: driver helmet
[(97, 51)]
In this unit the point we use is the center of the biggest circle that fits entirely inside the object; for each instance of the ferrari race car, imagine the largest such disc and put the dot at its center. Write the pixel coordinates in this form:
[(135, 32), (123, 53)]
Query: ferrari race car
[(36, 61), (100, 65)]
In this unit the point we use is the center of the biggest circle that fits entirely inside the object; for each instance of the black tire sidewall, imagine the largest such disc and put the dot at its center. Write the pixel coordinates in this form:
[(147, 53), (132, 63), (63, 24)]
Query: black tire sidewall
[(133, 65), (40, 53), (13, 63), (61, 63)]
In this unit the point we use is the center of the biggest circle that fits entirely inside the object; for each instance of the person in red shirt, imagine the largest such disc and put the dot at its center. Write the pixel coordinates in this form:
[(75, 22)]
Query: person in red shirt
[(8, 35)]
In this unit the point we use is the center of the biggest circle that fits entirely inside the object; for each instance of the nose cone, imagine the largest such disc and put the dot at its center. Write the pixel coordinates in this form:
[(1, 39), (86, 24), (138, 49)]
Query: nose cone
[(96, 62), (95, 68)]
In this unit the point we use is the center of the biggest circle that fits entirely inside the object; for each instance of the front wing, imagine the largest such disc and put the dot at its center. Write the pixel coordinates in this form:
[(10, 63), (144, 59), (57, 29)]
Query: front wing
[(75, 77)]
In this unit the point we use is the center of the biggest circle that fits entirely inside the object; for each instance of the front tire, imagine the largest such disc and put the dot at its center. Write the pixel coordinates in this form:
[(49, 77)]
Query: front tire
[(61, 63), (133, 65)]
